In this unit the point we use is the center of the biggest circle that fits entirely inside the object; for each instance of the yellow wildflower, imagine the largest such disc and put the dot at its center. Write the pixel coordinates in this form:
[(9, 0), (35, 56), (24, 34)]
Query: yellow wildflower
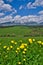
[(25, 44), (15, 43), (11, 46), (19, 63), (4, 47), (39, 42), (22, 46), (16, 51), (25, 49), (8, 48), (33, 39), (18, 48), (24, 52), (24, 59), (12, 41), (42, 43), (30, 40)]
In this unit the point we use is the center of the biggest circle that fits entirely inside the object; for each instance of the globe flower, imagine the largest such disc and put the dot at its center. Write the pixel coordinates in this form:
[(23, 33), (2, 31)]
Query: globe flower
[(24, 52), (16, 51), (30, 40), (19, 63), (25, 49), (12, 41), (42, 43), (15, 43), (33, 39), (18, 48), (24, 59), (11, 46), (22, 46), (8, 48), (4, 47), (39, 42), (25, 44)]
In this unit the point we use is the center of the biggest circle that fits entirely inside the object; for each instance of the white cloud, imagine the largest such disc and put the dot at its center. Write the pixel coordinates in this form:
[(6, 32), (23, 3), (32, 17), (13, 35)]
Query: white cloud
[(20, 7), (1, 2), (1, 14), (40, 12), (22, 19), (6, 7), (17, 17), (29, 18), (38, 3), (35, 4), (6, 19), (29, 6)]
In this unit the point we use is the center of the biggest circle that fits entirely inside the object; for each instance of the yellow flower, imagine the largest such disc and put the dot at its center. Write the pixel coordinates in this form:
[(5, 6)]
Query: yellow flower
[(16, 51), (24, 52), (19, 63), (24, 59), (8, 48), (25, 44), (11, 46), (4, 47), (12, 41), (15, 43), (18, 48), (42, 43), (22, 46), (39, 42), (30, 40), (33, 39), (25, 49)]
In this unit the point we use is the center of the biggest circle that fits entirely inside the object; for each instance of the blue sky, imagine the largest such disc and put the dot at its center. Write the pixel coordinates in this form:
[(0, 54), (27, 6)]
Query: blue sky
[(17, 3), (15, 9)]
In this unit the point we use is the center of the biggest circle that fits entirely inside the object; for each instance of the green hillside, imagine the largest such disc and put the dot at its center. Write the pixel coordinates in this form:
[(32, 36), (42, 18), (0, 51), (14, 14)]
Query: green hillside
[(21, 45)]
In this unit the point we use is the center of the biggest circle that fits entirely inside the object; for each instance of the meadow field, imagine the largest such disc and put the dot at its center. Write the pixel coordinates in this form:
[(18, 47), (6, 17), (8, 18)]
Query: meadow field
[(21, 45)]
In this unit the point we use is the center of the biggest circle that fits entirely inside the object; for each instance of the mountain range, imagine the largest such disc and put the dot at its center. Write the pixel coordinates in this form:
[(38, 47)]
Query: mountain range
[(18, 23)]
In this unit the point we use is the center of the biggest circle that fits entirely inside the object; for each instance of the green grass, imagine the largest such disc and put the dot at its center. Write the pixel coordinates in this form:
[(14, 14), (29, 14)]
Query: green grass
[(34, 53), (21, 30)]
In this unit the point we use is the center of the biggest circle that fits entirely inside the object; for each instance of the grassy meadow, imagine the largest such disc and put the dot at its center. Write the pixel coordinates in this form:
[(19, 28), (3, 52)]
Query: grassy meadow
[(21, 45)]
